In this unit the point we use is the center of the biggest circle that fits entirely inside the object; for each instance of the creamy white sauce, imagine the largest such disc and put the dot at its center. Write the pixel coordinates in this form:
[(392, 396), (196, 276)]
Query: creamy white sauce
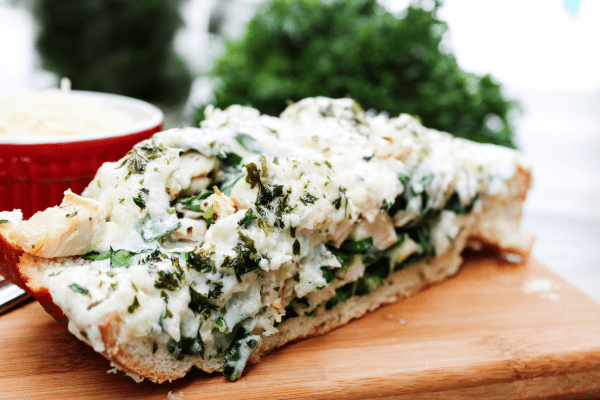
[(332, 172)]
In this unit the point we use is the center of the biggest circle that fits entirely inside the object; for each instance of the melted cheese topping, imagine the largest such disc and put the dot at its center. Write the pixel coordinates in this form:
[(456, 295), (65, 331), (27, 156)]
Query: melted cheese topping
[(302, 205)]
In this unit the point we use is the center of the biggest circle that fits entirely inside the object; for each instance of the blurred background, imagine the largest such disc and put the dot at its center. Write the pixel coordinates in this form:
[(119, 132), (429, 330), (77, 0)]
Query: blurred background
[(521, 73)]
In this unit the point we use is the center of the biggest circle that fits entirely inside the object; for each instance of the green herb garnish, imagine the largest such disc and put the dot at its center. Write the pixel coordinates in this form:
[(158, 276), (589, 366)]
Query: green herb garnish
[(357, 246), (247, 258), (121, 258), (75, 287), (192, 202), (200, 303), (154, 227), (238, 353), (208, 214), (232, 172), (248, 142), (187, 346), (308, 198), (201, 261), (221, 324), (140, 200), (134, 306), (170, 280), (327, 274), (247, 220)]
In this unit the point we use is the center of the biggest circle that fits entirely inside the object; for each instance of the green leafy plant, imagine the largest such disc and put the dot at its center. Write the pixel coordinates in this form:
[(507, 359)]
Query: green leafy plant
[(355, 48), (115, 46)]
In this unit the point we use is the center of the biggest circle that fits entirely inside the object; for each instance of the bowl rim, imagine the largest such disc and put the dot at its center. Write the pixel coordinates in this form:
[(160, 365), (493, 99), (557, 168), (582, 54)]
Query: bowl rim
[(155, 120)]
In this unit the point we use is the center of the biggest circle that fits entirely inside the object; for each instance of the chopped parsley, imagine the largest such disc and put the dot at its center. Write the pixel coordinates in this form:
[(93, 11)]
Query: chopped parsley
[(404, 176), (200, 304), (308, 198), (296, 247), (134, 306), (221, 324), (337, 203), (247, 257), (140, 200), (248, 218), (201, 261), (79, 289), (216, 291), (170, 280), (208, 215), (138, 158)]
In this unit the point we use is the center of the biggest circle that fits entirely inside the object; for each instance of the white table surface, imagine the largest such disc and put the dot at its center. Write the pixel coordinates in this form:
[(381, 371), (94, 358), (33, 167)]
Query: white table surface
[(560, 134)]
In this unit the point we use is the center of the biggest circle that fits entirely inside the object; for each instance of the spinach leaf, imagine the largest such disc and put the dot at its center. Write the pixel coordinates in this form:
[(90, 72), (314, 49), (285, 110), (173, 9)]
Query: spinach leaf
[(345, 259), (238, 353), (456, 206), (232, 172), (341, 295), (327, 274), (187, 346), (97, 256), (155, 227), (118, 258), (230, 160), (357, 246), (248, 142), (192, 203)]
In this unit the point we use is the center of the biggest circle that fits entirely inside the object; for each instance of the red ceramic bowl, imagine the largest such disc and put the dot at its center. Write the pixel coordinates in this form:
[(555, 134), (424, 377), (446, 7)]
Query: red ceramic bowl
[(35, 171)]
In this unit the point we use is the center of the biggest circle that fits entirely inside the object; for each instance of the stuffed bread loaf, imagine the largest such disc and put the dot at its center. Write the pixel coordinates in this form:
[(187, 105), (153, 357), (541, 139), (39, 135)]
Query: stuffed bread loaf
[(211, 247)]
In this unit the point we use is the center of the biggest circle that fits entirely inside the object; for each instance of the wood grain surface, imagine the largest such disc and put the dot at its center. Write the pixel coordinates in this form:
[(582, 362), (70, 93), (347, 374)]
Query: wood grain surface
[(495, 331)]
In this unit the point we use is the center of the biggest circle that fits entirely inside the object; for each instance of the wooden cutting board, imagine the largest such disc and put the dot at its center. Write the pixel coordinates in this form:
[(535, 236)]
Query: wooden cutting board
[(494, 331)]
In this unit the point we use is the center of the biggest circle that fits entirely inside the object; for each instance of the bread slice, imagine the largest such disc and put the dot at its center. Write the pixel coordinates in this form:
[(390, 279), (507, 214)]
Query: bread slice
[(211, 247)]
